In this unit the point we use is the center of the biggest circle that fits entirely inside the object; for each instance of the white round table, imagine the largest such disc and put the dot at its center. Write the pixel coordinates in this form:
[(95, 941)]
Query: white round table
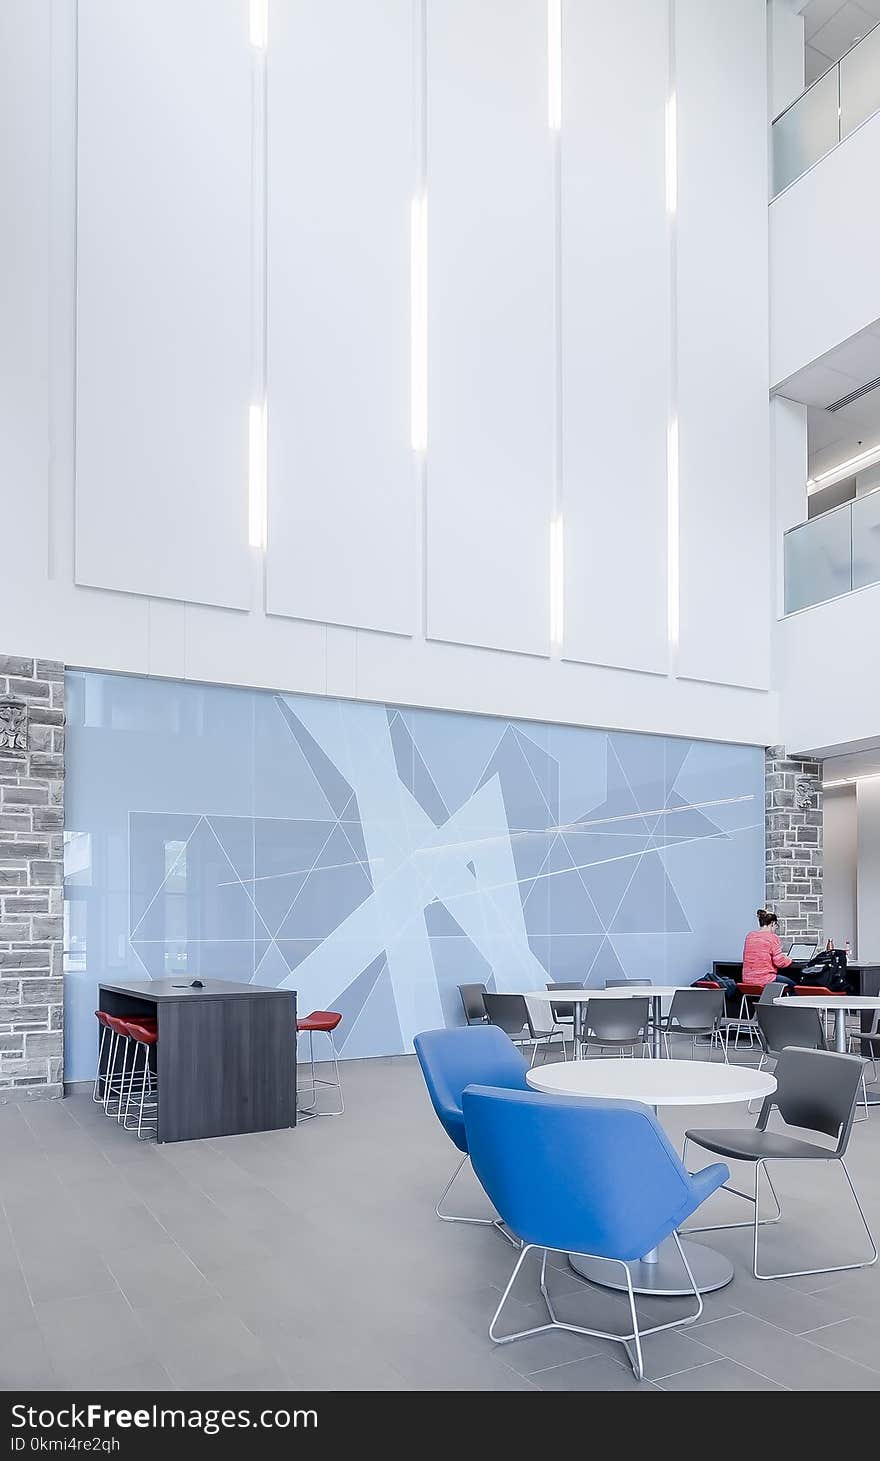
[(657, 1083), (840, 1004), (580, 998)]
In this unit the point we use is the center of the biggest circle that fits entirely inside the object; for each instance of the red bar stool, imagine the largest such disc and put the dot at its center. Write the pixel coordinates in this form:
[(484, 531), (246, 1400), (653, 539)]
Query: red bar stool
[(120, 1041), (143, 1034), (320, 1022)]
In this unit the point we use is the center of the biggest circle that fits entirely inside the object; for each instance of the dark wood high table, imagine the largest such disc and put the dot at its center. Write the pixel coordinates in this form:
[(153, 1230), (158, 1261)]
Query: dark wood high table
[(225, 1057)]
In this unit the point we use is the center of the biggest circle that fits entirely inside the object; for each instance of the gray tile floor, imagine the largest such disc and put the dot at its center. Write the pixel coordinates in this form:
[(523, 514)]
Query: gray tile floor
[(312, 1259)]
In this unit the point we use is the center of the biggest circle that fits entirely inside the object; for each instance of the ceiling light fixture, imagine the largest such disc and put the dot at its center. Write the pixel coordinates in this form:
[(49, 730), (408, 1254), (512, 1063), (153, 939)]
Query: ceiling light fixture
[(851, 780), (844, 469)]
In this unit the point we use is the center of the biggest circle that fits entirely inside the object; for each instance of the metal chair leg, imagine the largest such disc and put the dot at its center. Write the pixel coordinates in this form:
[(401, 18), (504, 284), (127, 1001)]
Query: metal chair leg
[(448, 1217), (806, 1272), (108, 1073), (636, 1334), (95, 1097), (119, 1112), (747, 1197)]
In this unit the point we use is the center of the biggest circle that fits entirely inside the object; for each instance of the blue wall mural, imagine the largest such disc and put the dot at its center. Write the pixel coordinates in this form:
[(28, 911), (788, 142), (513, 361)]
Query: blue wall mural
[(374, 858)]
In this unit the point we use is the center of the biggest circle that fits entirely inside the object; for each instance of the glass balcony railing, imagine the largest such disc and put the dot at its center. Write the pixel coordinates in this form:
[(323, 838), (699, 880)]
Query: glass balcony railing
[(833, 554), (837, 102)]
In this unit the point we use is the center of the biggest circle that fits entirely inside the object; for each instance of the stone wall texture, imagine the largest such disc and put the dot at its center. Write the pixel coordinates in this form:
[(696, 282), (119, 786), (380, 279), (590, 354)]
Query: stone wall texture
[(31, 878), (793, 843)]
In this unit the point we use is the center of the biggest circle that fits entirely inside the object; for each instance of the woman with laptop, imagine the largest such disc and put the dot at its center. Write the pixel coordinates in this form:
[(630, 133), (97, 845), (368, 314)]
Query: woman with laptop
[(763, 959)]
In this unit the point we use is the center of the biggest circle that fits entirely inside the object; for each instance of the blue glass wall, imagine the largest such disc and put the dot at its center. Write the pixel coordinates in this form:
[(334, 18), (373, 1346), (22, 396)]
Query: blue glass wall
[(374, 858)]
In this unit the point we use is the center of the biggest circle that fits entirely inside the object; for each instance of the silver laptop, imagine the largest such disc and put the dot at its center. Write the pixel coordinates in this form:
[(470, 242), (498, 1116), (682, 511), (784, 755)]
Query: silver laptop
[(802, 953)]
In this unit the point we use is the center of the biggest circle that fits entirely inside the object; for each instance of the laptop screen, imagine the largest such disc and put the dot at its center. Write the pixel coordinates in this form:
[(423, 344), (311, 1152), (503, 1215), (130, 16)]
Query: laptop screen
[(802, 953)]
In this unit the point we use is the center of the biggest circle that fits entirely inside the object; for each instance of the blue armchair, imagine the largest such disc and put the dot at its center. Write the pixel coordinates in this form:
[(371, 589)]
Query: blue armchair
[(596, 1178), (453, 1059)]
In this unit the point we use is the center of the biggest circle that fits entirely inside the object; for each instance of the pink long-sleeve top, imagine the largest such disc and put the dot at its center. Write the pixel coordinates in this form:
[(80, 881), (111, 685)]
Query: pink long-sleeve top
[(762, 957)]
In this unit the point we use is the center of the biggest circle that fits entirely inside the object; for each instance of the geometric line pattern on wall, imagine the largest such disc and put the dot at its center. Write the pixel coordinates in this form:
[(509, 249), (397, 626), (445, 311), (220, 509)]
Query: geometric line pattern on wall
[(373, 858)]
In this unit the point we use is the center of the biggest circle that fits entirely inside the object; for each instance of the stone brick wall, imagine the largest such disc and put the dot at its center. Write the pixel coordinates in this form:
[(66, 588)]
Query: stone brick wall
[(793, 843), (31, 877)]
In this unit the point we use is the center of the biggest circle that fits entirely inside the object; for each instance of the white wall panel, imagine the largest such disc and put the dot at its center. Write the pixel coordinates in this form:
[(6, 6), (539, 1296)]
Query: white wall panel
[(163, 298), (721, 84), (491, 354), (615, 334), (24, 285), (342, 481)]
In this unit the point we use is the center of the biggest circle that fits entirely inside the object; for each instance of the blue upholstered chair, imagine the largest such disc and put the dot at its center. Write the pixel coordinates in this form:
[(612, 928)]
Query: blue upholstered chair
[(453, 1059), (597, 1178)]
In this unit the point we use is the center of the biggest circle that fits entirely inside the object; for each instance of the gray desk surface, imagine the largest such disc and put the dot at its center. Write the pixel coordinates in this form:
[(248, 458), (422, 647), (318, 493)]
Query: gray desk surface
[(181, 989)]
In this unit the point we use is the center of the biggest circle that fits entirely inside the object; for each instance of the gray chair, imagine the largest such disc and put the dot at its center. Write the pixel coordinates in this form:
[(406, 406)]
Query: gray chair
[(817, 1091), (472, 1000), (564, 1013), (622, 983), (744, 1023), (783, 1025), (697, 1013), (616, 1024), (510, 1013), (869, 1041)]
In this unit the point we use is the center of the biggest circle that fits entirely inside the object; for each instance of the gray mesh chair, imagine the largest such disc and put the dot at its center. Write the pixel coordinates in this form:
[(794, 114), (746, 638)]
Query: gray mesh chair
[(511, 1014), (696, 1013), (472, 1000), (616, 1024), (817, 1091)]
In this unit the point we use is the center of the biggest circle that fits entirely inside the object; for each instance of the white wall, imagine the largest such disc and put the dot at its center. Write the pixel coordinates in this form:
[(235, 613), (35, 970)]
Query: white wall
[(840, 864), (722, 405), (824, 241), (374, 548)]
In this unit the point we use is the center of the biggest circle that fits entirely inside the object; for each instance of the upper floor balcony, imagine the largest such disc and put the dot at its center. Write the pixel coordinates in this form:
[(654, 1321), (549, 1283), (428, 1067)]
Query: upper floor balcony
[(831, 108)]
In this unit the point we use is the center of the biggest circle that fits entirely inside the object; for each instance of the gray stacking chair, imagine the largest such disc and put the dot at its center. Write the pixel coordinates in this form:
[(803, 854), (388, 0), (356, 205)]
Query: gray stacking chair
[(616, 1024), (472, 1000), (696, 1012), (564, 1013), (511, 1013), (817, 1091)]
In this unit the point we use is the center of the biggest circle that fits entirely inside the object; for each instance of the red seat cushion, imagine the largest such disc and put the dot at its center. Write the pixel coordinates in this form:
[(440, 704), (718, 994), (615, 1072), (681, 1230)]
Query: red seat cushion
[(140, 1030), (818, 989), (319, 1020), (103, 1019), (705, 984), (750, 989)]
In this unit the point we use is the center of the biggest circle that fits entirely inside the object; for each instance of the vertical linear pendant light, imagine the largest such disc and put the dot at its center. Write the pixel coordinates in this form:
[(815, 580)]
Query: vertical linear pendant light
[(259, 23), (257, 473), (557, 582), (419, 323), (554, 64)]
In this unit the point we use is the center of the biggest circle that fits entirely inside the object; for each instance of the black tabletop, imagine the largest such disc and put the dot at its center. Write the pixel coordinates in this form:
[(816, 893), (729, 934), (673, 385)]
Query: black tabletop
[(181, 988)]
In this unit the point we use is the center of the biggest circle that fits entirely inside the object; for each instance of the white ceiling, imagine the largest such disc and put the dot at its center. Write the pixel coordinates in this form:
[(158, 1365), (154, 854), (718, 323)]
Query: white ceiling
[(831, 27), (835, 436)]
